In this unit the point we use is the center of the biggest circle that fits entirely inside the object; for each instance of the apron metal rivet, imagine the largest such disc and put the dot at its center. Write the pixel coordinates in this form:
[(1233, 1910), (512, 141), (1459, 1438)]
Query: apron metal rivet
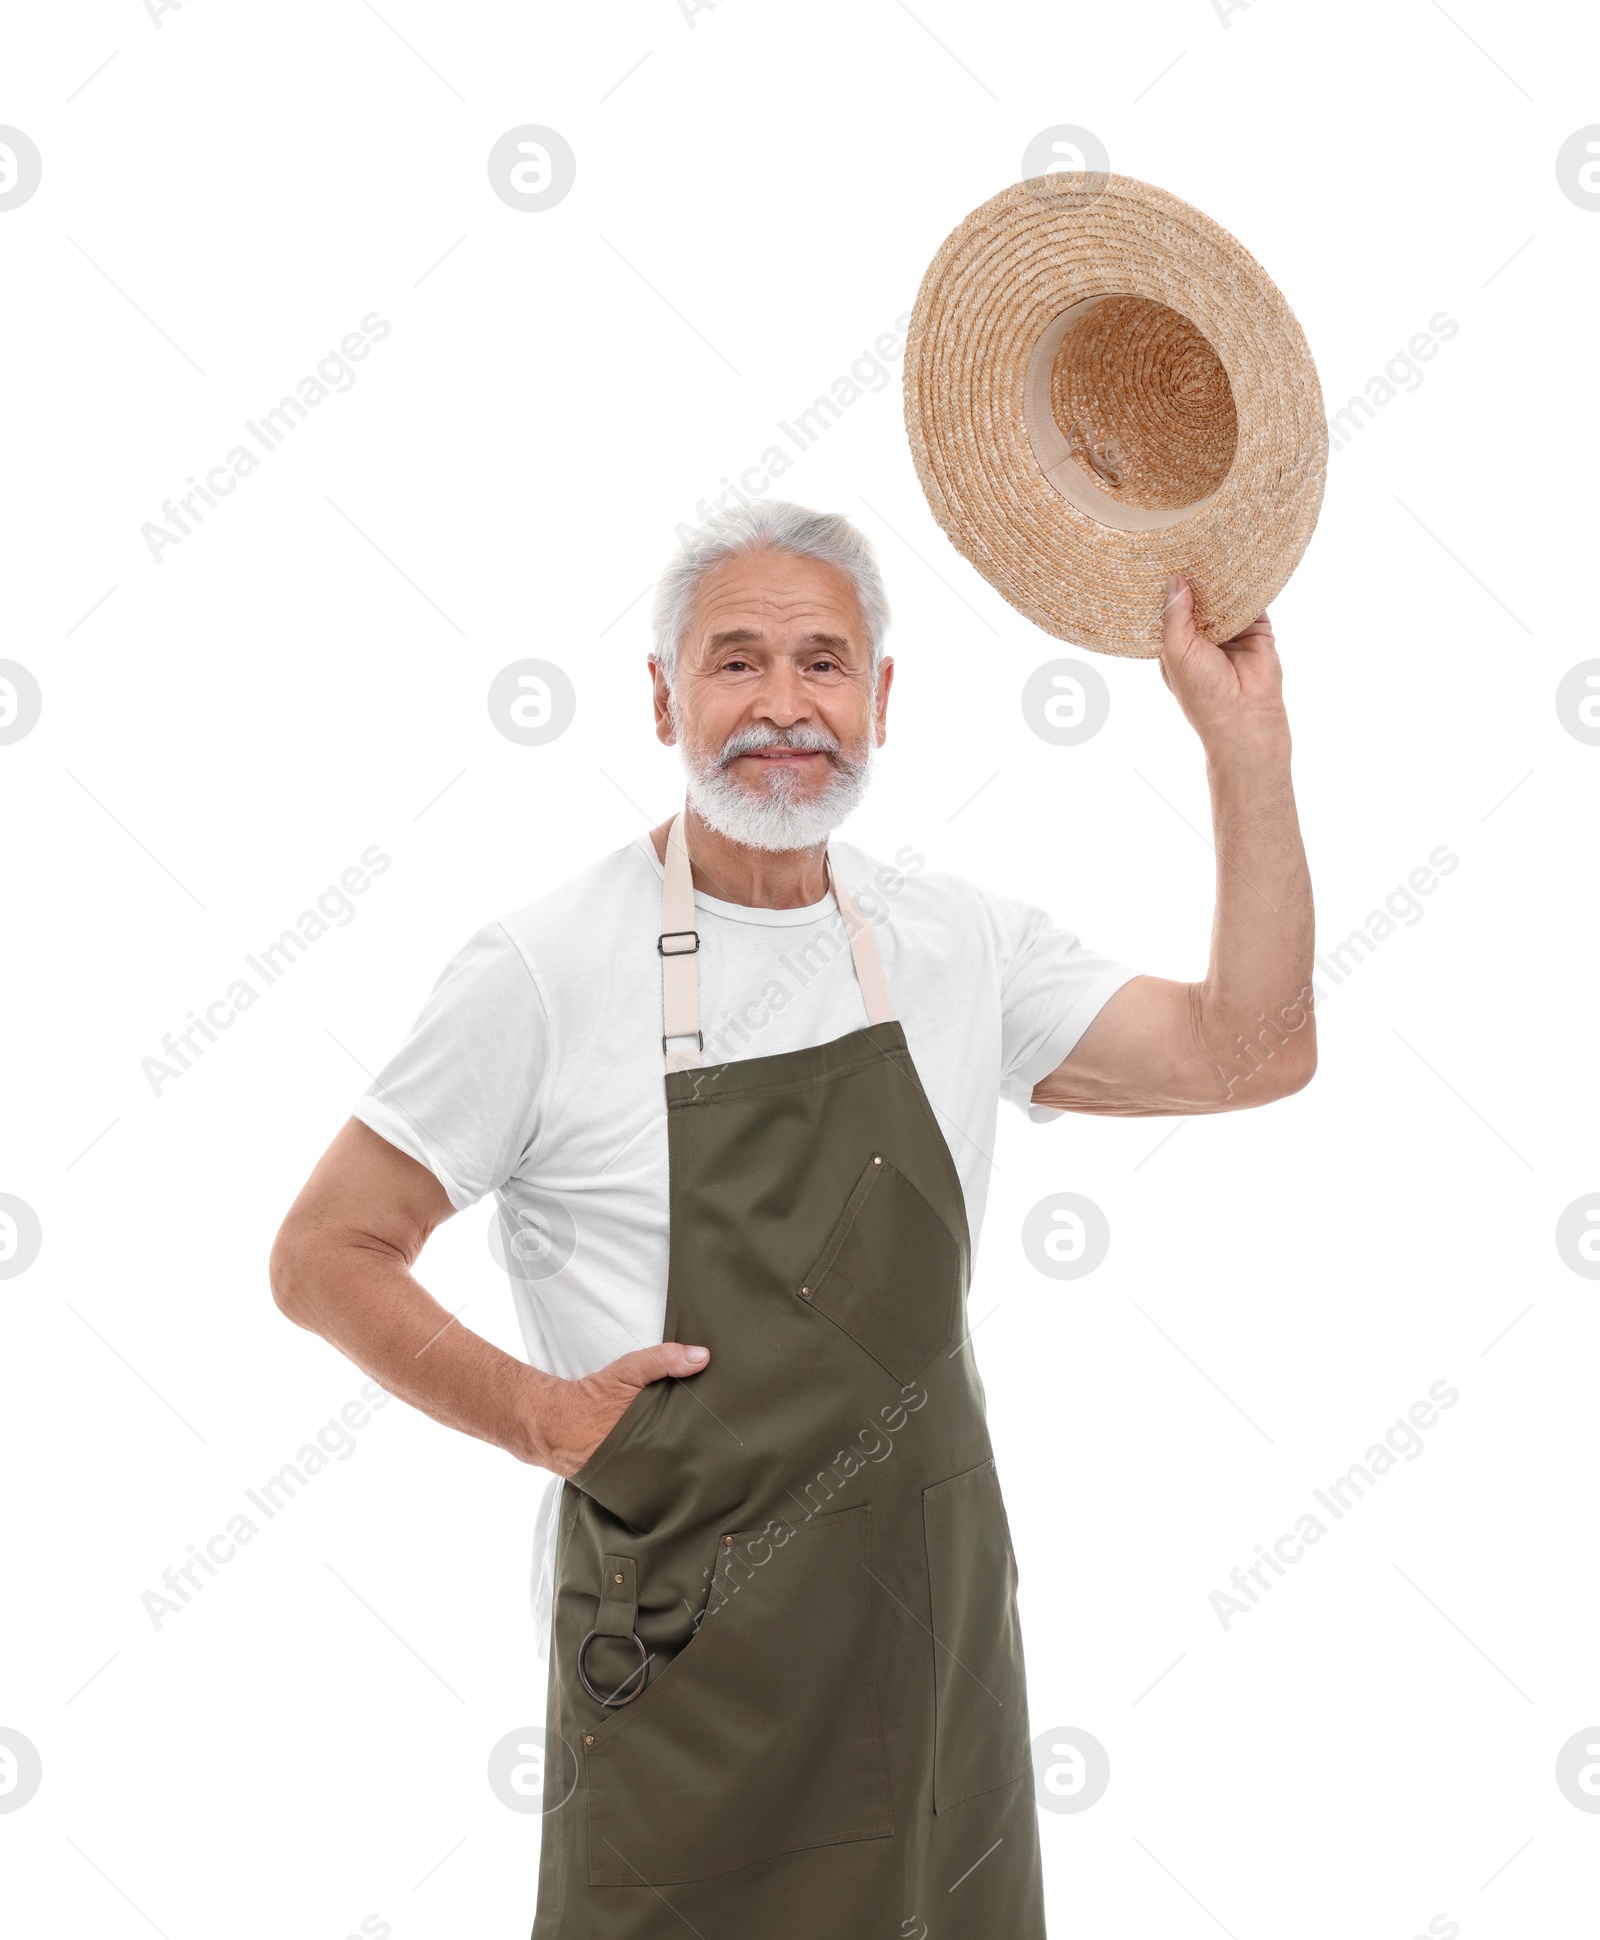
[(727, 1542), (618, 1577), (588, 1737), (805, 1293), (876, 1160)]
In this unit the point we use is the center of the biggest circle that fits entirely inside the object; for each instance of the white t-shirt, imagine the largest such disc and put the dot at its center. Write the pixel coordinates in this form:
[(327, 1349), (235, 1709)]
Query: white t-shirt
[(535, 1069)]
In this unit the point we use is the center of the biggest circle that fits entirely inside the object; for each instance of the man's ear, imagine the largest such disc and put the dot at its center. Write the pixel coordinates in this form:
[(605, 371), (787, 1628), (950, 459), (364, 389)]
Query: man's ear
[(880, 709), (661, 697)]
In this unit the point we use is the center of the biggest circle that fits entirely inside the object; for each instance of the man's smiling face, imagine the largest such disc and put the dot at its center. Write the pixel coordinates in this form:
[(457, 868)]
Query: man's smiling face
[(773, 701)]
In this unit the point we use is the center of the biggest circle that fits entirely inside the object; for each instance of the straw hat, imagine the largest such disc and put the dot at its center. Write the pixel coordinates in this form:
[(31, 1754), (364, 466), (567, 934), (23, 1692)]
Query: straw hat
[(1102, 387)]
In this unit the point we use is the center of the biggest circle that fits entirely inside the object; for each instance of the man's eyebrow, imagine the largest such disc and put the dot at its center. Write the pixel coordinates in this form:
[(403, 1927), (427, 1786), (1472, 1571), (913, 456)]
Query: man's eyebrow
[(743, 636)]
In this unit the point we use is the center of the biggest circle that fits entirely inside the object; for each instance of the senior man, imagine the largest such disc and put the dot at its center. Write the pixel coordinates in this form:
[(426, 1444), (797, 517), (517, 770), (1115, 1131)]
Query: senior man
[(786, 1684)]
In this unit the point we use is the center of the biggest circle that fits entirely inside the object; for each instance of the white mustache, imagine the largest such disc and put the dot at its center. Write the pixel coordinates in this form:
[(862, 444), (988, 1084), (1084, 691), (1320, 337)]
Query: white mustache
[(802, 738)]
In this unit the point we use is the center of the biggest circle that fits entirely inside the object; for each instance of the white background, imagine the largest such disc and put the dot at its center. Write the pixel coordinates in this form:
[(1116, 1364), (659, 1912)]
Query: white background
[(757, 195)]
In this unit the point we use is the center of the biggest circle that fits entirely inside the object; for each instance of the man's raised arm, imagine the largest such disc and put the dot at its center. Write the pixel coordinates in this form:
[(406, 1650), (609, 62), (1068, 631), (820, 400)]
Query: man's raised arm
[(1245, 1035)]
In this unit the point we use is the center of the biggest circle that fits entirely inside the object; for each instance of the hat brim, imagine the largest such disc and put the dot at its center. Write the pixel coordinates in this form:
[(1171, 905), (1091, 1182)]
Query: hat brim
[(999, 281)]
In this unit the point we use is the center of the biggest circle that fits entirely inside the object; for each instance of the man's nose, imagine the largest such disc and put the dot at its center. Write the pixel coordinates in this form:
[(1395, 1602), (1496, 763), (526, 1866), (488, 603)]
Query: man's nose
[(781, 697)]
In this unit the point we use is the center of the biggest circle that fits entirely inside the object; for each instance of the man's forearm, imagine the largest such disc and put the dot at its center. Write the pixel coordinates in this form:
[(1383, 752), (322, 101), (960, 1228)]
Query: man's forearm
[(341, 1267), (366, 1302), (1254, 1006)]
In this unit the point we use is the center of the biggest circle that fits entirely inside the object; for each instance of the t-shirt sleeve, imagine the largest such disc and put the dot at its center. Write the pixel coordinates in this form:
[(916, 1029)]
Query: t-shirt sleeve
[(462, 1094), (1052, 987)]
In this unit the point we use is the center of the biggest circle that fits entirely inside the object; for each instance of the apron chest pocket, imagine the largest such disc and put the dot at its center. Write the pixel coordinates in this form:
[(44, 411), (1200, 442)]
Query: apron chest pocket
[(890, 1274)]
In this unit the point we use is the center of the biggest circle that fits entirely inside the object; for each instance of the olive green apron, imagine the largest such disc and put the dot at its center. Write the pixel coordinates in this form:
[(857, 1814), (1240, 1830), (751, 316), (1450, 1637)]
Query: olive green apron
[(785, 1657)]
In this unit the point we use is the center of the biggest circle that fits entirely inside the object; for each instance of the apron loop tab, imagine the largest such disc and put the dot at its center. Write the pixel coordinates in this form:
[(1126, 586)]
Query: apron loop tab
[(616, 1617)]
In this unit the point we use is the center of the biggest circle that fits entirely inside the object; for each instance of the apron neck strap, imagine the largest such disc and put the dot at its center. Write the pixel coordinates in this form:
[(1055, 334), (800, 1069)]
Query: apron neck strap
[(679, 945)]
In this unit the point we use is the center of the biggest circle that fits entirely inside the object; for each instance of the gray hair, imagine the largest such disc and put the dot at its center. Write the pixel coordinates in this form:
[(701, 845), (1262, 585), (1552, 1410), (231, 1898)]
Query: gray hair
[(779, 527)]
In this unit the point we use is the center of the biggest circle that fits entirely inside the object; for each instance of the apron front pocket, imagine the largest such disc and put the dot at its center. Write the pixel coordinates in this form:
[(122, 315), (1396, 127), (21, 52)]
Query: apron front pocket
[(763, 1735), (625, 1482), (890, 1274), (980, 1693)]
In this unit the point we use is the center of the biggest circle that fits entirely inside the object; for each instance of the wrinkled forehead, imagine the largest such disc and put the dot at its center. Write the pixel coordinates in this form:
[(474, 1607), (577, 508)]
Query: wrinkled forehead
[(779, 602)]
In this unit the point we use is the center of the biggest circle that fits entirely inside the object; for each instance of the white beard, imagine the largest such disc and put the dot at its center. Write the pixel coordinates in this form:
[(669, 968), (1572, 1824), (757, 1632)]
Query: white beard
[(779, 816)]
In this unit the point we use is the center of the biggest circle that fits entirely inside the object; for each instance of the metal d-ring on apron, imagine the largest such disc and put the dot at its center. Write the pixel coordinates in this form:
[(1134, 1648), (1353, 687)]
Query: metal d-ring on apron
[(619, 1606), (786, 1688)]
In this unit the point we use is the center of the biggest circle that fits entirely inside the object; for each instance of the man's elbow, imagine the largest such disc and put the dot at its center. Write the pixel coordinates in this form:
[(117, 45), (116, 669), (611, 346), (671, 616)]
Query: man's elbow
[(290, 1276), (1298, 1072), (1289, 1069)]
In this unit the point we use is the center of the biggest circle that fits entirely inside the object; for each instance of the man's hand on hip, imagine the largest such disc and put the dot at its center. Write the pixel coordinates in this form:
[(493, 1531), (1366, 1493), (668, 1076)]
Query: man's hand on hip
[(341, 1266), (576, 1416)]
